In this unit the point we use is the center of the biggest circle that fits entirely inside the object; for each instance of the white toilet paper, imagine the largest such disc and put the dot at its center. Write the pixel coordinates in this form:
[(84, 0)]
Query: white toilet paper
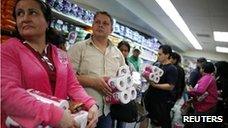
[(157, 71), (128, 79), (44, 98), (123, 97), (48, 99), (133, 93), (156, 79), (81, 118), (117, 83), (123, 70), (10, 122)]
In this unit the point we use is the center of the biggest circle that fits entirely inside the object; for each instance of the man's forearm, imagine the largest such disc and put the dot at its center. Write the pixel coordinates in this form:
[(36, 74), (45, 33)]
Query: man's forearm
[(86, 81)]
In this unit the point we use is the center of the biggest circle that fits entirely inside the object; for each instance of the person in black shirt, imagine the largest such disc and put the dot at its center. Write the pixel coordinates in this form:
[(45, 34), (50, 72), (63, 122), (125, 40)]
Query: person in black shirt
[(195, 74), (175, 59), (158, 101)]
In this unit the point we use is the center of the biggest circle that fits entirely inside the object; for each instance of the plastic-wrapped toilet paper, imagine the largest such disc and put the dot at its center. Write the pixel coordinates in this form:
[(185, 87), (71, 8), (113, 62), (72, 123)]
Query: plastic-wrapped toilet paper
[(149, 68), (10, 122), (44, 98), (49, 99), (156, 79), (158, 71), (123, 97), (81, 118), (146, 74), (123, 70), (133, 93), (129, 81), (117, 83)]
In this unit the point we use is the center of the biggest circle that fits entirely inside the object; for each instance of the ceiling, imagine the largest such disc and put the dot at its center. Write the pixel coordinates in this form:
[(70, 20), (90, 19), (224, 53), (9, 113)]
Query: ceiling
[(201, 16)]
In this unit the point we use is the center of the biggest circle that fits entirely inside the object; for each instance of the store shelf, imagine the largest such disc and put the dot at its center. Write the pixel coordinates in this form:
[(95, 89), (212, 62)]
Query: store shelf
[(71, 19), (149, 49), (81, 23)]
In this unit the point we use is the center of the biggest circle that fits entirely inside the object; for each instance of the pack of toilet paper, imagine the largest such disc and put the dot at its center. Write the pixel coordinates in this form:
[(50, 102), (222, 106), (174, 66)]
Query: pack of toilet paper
[(80, 117), (122, 87), (153, 73)]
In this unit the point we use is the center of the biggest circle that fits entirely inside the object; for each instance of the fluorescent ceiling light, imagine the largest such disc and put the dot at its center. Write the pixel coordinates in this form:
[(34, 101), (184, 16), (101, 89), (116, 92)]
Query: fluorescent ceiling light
[(221, 49), (173, 14), (220, 36)]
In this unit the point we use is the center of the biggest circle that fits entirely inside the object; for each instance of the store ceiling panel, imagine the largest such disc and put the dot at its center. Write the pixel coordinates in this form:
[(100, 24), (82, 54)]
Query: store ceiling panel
[(201, 16)]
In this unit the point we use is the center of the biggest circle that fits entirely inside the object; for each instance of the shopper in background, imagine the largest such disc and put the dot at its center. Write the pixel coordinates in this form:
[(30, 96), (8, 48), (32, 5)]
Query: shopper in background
[(31, 61), (134, 60), (205, 105), (96, 58), (175, 59), (195, 74), (222, 80), (118, 109), (125, 48), (158, 101)]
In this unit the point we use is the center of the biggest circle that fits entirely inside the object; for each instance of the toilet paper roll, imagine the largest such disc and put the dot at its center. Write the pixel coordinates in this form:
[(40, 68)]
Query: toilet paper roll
[(123, 70), (146, 74), (149, 69), (117, 84), (156, 79), (128, 80), (49, 99), (158, 71), (133, 93), (155, 69), (81, 118), (123, 97), (44, 98), (151, 76), (10, 122)]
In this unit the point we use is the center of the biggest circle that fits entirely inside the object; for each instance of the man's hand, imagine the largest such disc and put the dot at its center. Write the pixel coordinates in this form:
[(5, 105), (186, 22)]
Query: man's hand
[(101, 85), (67, 121), (92, 117)]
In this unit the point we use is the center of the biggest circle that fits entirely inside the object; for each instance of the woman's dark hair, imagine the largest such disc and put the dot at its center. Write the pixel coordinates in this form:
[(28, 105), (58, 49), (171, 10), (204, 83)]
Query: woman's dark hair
[(46, 10), (88, 35), (124, 43), (208, 67), (176, 56), (166, 49)]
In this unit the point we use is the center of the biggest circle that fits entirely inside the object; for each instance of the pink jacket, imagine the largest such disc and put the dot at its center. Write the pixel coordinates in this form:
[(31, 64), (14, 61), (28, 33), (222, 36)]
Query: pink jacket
[(21, 70), (207, 83)]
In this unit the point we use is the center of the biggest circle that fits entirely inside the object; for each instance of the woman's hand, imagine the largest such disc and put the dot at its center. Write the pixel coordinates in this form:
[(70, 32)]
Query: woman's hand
[(67, 121), (101, 85), (92, 117), (189, 88)]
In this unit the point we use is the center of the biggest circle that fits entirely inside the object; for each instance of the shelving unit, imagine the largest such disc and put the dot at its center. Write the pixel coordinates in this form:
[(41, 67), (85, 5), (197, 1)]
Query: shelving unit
[(81, 23), (71, 19)]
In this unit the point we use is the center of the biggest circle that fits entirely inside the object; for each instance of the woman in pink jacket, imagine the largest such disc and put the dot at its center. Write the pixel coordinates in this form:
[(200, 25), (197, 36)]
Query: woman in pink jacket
[(205, 95), (31, 61)]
